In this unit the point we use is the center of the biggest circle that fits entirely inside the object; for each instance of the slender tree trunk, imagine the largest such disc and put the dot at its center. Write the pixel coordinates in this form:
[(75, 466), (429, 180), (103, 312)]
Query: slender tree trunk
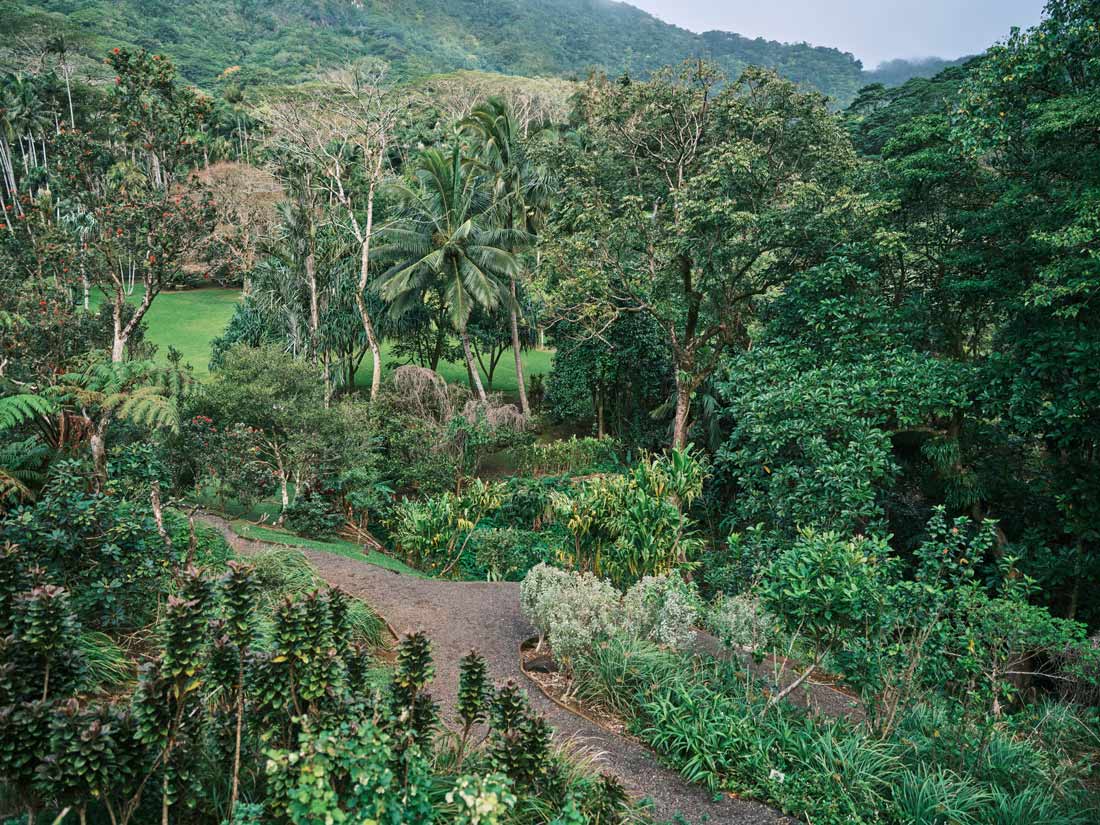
[(4, 210), (364, 277), (117, 342), (97, 443), (683, 408), (69, 95), (314, 306), (475, 376), (440, 340), (284, 493), (525, 408)]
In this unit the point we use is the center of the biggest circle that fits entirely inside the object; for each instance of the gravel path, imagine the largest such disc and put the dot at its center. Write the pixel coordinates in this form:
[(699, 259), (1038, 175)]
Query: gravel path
[(485, 616)]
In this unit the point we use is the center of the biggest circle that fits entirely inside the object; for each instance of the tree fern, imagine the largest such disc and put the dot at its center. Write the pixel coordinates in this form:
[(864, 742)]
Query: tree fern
[(146, 406), (22, 468), (19, 409)]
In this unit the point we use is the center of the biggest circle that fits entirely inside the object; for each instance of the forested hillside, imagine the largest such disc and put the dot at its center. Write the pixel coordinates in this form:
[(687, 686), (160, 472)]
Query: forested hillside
[(287, 40)]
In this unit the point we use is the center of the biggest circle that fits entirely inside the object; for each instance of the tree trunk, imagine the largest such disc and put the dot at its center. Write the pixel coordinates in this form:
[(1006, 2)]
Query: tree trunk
[(683, 408), (440, 340), (69, 95), (118, 343), (122, 334), (314, 306), (475, 376), (364, 276), (98, 445), (372, 342), (284, 493), (523, 405)]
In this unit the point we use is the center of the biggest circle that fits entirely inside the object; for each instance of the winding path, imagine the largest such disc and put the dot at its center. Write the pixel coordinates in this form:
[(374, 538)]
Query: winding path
[(486, 616)]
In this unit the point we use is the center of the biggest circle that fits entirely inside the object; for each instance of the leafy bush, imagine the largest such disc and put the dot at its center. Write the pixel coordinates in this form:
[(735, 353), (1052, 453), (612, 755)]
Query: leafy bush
[(634, 525), (507, 553), (577, 612), (741, 623), (661, 609), (433, 533), (572, 610), (313, 514), (106, 553)]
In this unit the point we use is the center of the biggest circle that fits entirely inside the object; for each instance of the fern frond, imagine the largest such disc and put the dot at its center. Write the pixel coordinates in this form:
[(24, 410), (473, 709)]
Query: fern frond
[(148, 407), (21, 466), (19, 409)]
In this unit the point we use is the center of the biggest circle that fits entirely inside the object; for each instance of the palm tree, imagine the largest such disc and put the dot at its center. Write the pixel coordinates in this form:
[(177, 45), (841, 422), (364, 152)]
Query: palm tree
[(519, 190), (444, 243)]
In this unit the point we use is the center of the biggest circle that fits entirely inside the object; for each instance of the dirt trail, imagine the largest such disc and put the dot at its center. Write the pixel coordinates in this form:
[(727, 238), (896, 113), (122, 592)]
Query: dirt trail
[(486, 616)]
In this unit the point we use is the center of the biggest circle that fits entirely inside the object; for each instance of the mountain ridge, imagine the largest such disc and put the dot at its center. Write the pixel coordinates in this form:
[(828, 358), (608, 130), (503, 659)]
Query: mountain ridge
[(281, 41)]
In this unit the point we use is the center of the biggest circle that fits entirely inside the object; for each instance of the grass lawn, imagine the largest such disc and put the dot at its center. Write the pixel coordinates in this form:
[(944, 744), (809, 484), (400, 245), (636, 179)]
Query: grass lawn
[(347, 549), (191, 319), (188, 321)]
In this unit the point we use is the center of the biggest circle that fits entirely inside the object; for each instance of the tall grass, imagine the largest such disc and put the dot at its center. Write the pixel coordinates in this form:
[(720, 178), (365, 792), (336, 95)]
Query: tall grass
[(712, 721)]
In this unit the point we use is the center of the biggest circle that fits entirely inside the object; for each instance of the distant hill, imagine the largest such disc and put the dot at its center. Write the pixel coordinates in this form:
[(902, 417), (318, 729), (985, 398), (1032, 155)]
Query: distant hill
[(896, 72), (279, 41)]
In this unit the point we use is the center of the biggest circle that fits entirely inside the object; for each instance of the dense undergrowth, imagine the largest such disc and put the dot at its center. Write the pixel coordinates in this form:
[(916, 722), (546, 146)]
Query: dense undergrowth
[(148, 675)]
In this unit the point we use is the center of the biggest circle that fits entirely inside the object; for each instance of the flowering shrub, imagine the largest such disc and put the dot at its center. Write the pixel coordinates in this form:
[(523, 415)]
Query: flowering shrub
[(572, 610)]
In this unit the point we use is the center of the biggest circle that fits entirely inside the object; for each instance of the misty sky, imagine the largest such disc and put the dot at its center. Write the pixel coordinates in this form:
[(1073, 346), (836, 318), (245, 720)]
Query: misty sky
[(872, 30)]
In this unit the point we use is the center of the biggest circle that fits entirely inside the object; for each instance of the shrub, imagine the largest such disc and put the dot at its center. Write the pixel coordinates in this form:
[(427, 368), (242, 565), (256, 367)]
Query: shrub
[(313, 514), (577, 612), (507, 553), (572, 610), (826, 589), (634, 525), (434, 532), (661, 609), (741, 623)]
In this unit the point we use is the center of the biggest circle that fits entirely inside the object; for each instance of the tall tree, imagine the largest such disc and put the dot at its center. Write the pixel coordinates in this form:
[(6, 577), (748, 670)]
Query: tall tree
[(341, 140), (1029, 110), (520, 190), (444, 243), (690, 201)]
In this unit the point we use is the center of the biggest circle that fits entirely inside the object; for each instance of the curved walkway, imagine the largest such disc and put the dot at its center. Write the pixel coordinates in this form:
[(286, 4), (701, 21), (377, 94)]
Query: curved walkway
[(486, 616)]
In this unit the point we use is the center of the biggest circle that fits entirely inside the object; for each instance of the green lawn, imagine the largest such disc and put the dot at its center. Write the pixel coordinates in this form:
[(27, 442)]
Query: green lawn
[(188, 321), (191, 319), (247, 530)]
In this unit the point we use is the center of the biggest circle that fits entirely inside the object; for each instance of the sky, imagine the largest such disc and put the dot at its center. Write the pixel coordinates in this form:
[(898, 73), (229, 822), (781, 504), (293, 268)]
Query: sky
[(872, 30)]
